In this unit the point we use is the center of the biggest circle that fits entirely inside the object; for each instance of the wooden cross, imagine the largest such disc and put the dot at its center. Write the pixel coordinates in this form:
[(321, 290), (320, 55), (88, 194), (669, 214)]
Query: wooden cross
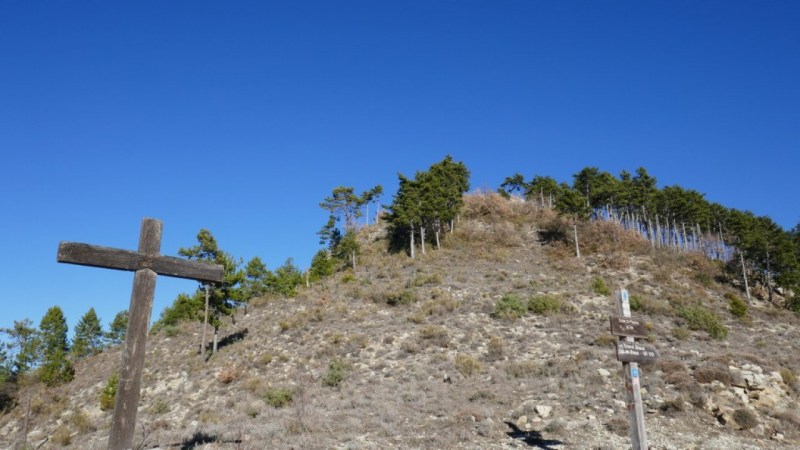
[(147, 263)]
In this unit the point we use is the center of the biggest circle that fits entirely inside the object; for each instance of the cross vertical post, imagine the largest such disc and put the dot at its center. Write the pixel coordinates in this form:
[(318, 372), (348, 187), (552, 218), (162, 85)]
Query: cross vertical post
[(147, 264), (126, 403), (633, 393)]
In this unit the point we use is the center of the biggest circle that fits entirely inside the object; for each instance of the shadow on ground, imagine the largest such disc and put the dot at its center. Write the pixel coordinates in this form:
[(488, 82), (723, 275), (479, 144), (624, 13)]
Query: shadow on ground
[(532, 438), (200, 439)]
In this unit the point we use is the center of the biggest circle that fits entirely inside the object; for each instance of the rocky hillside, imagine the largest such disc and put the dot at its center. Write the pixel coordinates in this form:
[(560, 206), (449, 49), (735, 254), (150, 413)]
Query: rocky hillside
[(498, 340)]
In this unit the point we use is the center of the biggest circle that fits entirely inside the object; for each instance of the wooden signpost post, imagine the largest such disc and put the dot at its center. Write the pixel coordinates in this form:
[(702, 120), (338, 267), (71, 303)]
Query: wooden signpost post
[(631, 353), (147, 263)]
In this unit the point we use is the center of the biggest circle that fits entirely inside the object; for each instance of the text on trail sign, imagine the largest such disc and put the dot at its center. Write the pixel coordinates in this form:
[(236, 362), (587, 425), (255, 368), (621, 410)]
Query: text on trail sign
[(635, 352)]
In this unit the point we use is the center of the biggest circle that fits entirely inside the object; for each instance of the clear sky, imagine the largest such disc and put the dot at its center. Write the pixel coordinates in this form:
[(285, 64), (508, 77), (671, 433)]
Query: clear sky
[(240, 117)]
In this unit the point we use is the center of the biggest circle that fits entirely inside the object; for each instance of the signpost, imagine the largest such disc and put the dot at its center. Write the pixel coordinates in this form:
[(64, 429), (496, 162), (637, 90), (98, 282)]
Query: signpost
[(631, 354), (147, 263)]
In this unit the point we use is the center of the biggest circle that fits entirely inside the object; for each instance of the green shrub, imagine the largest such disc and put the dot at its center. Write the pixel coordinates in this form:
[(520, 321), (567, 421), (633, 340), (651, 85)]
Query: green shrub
[(544, 304), (794, 304), (278, 397), (636, 303), (681, 333), (335, 374), (703, 278), (406, 297), (348, 278), (700, 318), (745, 419), (109, 392), (599, 287), (736, 305), (509, 307)]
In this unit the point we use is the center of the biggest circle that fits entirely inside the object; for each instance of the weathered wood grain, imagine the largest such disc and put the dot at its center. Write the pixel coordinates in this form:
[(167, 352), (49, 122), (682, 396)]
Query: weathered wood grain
[(113, 258), (624, 326)]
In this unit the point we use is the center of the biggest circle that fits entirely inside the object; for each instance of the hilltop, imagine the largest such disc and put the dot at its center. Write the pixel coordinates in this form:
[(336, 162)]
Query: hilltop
[(497, 340)]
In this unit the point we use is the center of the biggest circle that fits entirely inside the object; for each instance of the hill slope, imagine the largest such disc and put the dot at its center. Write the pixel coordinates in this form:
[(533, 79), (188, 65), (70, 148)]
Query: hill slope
[(416, 354)]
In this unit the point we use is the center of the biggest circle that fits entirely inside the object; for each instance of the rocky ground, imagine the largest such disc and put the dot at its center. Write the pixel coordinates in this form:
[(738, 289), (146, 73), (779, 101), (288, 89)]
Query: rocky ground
[(413, 354)]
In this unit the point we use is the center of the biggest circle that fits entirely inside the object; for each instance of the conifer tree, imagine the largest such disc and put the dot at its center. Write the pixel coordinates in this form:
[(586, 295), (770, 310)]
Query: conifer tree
[(55, 367), (88, 339), (573, 205), (254, 283), (285, 279), (321, 266), (345, 207), (224, 295), (405, 212), (512, 184), (118, 328), (546, 189), (23, 348)]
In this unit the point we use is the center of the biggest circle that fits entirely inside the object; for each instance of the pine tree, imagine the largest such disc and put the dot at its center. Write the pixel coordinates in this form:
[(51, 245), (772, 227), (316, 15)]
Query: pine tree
[(345, 207), (224, 295), (23, 348), (254, 283), (322, 266), (405, 213), (512, 184), (88, 339), (55, 367), (118, 328), (285, 279), (573, 205)]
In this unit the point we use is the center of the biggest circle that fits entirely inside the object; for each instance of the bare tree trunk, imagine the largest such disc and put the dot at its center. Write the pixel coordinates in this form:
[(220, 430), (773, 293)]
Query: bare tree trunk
[(575, 230), (769, 279), (422, 238), (685, 240), (353, 259), (216, 333), (308, 281), (744, 275), (438, 243), (411, 247), (205, 325)]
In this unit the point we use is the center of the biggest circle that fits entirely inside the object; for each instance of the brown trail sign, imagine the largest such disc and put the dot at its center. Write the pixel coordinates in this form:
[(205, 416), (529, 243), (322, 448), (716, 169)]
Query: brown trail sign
[(147, 263), (631, 354)]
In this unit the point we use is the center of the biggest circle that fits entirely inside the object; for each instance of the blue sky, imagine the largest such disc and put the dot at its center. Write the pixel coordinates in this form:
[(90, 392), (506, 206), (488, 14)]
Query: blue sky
[(239, 117)]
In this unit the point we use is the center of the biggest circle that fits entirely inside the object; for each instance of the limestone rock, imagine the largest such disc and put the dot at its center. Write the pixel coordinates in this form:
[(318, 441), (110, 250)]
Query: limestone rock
[(543, 410)]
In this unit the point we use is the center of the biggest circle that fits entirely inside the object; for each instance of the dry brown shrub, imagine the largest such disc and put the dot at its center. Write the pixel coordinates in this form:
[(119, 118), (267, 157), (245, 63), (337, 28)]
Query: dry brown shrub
[(434, 335), (62, 436), (228, 373), (496, 349), (675, 372), (789, 416), (488, 207), (610, 238), (467, 365), (523, 369), (707, 374)]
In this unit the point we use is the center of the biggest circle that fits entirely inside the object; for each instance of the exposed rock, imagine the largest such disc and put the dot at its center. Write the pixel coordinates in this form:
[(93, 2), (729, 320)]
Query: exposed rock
[(543, 411)]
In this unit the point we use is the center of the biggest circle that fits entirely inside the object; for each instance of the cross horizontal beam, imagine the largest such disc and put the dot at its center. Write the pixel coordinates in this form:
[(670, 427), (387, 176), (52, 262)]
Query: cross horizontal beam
[(113, 258)]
